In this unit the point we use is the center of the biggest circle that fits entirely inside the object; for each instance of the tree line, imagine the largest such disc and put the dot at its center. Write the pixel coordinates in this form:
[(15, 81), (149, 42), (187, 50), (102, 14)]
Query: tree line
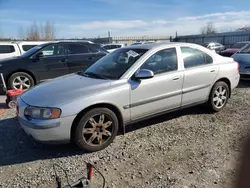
[(38, 32)]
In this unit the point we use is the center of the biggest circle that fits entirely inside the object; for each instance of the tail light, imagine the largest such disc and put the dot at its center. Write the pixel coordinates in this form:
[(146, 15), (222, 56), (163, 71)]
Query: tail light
[(238, 66)]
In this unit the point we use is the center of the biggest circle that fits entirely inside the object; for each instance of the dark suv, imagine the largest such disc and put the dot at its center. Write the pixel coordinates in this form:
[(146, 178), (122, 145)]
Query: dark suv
[(49, 60)]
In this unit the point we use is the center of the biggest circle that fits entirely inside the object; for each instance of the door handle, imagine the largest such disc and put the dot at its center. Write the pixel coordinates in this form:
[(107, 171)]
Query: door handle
[(63, 60), (213, 70), (176, 78), (90, 58)]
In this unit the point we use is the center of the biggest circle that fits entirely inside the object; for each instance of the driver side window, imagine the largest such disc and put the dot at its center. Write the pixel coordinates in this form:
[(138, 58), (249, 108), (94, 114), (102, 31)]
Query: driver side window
[(162, 61), (53, 50)]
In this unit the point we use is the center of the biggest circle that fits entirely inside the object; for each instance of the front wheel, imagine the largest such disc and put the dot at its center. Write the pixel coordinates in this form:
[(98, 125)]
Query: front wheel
[(20, 80), (218, 96), (96, 129)]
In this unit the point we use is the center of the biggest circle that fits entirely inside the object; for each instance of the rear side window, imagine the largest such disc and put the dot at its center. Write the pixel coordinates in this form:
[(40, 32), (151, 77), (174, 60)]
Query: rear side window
[(5, 49), (27, 47), (193, 57), (107, 47), (77, 49)]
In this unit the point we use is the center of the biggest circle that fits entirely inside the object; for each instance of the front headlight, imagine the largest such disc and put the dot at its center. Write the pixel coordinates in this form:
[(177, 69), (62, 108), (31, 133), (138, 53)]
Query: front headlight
[(42, 113)]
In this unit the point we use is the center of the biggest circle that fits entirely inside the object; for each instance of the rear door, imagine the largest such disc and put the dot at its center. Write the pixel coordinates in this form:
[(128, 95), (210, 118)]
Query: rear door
[(199, 75), (80, 57), (53, 63)]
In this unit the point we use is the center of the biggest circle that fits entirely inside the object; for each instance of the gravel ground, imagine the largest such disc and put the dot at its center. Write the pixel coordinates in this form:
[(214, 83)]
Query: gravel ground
[(185, 149)]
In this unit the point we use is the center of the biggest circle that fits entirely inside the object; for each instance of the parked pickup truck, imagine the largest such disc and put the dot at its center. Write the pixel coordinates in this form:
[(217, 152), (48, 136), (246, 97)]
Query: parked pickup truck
[(13, 49)]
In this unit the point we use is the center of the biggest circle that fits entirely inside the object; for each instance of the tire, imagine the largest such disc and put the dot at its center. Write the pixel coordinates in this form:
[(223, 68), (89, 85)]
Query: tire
[(217, 100), (95, 130), (20, 80)]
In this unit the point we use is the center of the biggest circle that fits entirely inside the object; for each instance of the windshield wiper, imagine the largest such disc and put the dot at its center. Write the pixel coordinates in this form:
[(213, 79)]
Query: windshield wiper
[(92, 74)]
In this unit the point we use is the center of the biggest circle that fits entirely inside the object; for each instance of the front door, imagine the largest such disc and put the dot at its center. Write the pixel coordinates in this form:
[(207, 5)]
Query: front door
[(53, 61), (199, 75), (163, 91)]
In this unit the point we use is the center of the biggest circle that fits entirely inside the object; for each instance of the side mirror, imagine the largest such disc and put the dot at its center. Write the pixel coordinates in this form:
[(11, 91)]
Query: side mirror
[(144, 74), (39, 54)]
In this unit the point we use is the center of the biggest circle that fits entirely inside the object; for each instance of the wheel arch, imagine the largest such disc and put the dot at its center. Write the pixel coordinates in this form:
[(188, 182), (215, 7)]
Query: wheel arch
[(99, 105), (227, 81)]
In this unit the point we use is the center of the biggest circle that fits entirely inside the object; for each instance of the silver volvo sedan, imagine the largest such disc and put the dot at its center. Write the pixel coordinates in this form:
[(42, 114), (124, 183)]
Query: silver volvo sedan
[(128, 85)]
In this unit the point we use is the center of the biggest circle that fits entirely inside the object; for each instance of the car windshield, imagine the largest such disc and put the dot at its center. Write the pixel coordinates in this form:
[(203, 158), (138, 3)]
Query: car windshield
[(245, 49), (239, 45), (33, 50), (205, 44), (114, 65)]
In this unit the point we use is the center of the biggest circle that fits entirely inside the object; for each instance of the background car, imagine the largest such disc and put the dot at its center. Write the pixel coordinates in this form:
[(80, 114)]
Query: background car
[(13, 49), (112, 47), (230, 51), (48, 61), (243, 58), (144, 42), (215, 46), (127, 85)]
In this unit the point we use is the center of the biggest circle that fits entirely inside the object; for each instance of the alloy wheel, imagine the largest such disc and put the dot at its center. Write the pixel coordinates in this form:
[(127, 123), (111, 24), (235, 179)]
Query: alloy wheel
[(21, 82), (98, 130), (220, 97)]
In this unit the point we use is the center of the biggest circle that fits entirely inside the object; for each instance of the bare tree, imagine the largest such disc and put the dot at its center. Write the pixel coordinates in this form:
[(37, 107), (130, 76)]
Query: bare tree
[(21, 34), (208, 29), (49, 31), (41, 27), (33, 33)]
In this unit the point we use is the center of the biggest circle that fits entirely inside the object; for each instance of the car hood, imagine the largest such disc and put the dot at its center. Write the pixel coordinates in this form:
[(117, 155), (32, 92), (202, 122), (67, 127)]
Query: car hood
[(63, 90), (242, 59), (230, 50)]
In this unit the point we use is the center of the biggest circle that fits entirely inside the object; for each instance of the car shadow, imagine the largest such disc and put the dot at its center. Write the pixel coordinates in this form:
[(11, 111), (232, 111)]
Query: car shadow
[(244, 84), (166, 117), (16, 147)]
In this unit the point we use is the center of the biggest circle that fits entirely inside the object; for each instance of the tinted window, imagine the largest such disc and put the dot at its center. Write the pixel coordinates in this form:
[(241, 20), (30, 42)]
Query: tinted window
[(162, 61), (107, 47), (245, 50), (239, 45), (114, 65), (27, 47), (77, 49), (4, 49), (54, 50), (194, 57), (113, 46), (95, 48)]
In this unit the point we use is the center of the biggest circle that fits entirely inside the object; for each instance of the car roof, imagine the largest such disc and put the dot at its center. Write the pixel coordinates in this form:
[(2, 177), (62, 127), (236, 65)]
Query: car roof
[(159, 44)]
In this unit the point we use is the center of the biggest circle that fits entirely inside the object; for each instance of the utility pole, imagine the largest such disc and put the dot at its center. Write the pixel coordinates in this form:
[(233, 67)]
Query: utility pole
[(109, 36)]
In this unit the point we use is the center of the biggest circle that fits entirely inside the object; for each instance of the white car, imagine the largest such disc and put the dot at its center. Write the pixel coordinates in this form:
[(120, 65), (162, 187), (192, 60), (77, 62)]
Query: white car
[(13, 49), (112, 47)]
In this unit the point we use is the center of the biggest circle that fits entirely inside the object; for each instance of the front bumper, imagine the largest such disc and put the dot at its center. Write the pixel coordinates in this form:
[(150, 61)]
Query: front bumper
[(49, 131), (57, 130)]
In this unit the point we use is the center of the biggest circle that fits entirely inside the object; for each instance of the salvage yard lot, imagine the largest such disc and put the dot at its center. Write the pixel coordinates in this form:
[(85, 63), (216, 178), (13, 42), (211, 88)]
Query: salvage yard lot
[(189, 148)]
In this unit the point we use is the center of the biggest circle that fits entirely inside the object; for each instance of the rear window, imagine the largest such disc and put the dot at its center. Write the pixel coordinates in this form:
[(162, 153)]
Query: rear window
[(27, 47), (239, 45), (5, 49)]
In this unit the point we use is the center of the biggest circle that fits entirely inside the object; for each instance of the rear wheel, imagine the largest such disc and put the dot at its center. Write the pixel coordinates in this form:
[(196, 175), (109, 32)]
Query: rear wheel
[(20, 80), (219, 96), (96, 130)]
